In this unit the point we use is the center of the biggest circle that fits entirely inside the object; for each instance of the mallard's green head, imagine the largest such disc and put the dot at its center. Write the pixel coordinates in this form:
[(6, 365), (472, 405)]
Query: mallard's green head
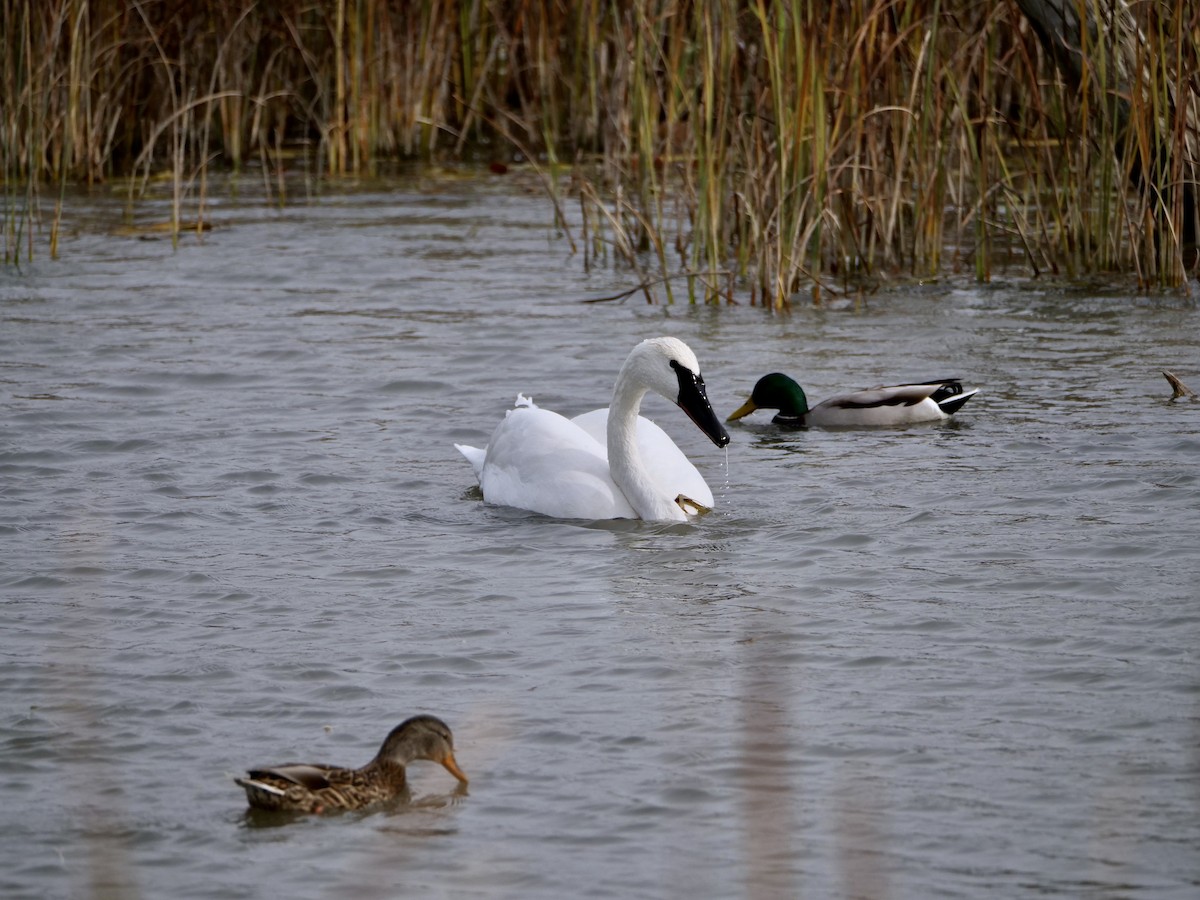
[(774, 391)]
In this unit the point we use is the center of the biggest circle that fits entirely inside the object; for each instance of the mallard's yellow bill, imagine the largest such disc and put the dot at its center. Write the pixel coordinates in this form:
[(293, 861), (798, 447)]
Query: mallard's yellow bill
[(451, 766), (744, 410)]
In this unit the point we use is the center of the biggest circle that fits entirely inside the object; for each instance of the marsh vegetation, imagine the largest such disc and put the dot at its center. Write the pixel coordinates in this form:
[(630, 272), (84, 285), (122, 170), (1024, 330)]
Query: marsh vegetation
[(721, 149)]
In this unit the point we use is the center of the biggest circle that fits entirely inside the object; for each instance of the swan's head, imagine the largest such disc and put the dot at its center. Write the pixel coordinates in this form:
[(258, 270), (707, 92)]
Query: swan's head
[(668, 365)]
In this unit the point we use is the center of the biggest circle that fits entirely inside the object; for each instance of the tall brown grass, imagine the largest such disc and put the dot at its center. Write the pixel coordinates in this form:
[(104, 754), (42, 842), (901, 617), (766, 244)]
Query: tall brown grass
[(723, 149)]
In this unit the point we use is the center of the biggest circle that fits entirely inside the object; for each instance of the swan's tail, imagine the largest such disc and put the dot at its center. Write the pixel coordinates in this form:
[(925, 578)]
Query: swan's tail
[(475, 457)]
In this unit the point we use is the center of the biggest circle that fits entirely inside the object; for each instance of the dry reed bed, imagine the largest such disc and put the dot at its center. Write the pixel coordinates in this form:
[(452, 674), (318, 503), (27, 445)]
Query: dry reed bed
[(719, 147)]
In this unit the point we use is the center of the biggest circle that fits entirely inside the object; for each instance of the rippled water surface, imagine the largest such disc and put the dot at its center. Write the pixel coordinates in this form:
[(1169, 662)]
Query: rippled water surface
[(955, 660)]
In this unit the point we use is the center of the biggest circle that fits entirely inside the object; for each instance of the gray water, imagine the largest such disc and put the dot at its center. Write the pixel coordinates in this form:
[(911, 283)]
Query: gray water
[(955, 660)]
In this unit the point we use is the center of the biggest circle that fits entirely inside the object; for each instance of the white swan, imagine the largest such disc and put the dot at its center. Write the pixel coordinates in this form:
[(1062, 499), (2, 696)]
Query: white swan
[(609, 463)]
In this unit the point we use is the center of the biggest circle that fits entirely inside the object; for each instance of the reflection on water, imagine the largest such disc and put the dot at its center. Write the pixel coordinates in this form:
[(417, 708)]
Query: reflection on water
[(956, 659), (767, 756)]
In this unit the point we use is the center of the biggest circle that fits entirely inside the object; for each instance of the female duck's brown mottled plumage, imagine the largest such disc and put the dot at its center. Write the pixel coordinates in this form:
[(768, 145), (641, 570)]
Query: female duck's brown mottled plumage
[(299, 787)]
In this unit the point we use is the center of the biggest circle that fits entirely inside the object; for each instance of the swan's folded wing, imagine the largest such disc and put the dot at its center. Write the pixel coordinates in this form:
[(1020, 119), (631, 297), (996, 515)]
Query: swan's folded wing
[(540, 461)]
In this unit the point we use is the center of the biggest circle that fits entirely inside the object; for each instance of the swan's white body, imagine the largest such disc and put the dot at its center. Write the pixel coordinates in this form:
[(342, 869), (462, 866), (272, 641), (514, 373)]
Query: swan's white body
[(609, 463)]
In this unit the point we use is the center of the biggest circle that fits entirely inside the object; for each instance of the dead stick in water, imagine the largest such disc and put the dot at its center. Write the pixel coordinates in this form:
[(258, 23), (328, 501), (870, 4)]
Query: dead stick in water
[(1178, 387)]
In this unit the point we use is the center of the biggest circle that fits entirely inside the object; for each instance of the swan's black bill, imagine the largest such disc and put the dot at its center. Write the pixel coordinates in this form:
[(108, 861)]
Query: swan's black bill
[(694, 401)]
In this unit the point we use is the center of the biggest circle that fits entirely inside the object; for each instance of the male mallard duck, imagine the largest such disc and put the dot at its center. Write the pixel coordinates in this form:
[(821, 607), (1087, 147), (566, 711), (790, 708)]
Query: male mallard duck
[(899, 404), (610, 463), (296, 787)]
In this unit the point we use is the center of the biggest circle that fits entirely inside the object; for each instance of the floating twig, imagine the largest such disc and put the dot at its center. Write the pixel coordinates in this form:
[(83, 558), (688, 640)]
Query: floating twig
[(649, 283), (1178, 387)]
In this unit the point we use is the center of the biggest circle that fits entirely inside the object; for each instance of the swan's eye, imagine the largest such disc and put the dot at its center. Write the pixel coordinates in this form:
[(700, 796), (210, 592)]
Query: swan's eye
[(682, 372)]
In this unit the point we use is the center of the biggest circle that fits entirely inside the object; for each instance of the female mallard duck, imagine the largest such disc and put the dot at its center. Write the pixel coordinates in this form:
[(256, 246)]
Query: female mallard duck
[(609, 463), (900, 404), (296, 787)]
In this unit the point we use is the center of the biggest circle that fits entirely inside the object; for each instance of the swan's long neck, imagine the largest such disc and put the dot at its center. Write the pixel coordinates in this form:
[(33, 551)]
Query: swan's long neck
[(625, 460)]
